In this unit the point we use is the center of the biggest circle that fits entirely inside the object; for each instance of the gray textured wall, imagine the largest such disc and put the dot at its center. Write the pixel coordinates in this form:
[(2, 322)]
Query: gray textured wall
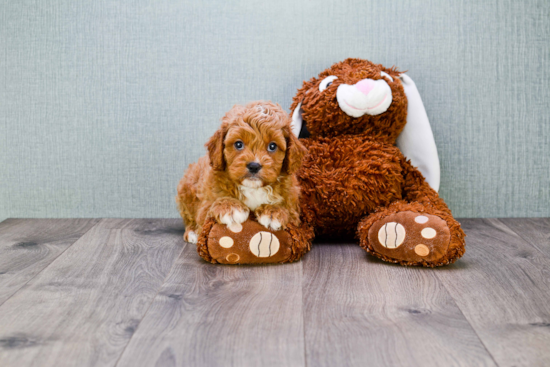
[(103, 104)]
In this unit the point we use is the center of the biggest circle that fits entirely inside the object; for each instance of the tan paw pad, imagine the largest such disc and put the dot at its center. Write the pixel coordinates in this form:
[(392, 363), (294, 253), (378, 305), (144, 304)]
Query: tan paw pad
[(421, 219), (232, 258), (391, 235), (226, 242), (428, 233), (264, 244), (422, 250), (235, 227)]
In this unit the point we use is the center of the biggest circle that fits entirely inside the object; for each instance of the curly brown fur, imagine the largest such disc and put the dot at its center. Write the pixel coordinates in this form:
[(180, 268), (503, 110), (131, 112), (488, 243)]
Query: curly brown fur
[(222, 186), (202, 243), (301, 238), (353, 175), (346, 177)]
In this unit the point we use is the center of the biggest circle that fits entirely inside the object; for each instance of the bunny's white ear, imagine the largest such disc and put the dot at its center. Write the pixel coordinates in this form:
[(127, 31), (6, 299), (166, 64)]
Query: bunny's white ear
[(297, 120), (416, 141)]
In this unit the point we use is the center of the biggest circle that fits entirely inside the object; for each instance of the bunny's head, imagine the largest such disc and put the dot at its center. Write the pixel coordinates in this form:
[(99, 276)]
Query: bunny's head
[(359, 97)]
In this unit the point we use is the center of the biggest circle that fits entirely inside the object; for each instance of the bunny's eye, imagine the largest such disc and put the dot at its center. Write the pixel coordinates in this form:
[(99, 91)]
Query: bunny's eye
[(327, 82), (239, 145), (386, 75)]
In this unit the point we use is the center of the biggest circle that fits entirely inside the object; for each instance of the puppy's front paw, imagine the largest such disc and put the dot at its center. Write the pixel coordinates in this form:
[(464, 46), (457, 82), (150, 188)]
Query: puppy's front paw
[(230, 212), (272, 217), (236, 215)]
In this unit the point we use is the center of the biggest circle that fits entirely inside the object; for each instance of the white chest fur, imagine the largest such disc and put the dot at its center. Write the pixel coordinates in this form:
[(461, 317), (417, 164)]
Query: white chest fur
[(253, 197)]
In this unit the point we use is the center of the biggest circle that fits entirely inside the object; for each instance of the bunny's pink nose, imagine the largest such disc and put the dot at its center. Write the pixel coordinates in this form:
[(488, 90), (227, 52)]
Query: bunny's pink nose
[(365, 86)]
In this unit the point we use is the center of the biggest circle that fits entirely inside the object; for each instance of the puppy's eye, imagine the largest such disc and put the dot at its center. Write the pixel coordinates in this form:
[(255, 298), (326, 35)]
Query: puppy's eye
[(386, 75), (272, 147), (327, 82), (239, 145)]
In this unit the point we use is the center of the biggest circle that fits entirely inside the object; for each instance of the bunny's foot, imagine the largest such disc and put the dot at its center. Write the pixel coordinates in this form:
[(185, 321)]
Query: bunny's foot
[(412, 237), (252, 243)]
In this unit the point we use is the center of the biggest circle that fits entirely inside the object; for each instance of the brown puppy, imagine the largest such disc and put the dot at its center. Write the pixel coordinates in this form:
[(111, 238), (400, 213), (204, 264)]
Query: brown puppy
[(250, 165)]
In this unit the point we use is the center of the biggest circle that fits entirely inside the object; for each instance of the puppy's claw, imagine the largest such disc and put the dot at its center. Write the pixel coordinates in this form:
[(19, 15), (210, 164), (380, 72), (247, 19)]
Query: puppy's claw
[(275, 225), (267, 222), (240, 216), (236, 216)]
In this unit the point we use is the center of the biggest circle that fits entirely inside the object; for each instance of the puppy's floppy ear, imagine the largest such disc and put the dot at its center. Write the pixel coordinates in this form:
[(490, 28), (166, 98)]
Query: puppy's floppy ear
[(215, 148), (295, 151)]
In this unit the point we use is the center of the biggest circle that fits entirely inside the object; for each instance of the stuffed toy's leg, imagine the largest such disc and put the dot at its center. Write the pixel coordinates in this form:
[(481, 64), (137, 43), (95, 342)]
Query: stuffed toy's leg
[(252, 243), (418, 230)]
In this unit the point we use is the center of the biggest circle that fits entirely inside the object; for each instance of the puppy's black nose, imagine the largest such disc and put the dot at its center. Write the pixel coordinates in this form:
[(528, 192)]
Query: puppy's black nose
[(254, 167)]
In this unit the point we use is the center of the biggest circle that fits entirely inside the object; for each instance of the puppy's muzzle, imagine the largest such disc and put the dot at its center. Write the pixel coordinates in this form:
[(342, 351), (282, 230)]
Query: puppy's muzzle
[(254, 167)]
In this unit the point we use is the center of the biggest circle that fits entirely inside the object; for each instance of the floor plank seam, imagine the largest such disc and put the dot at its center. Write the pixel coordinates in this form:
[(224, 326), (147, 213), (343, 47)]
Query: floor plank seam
[(51, 262), (150, 304), (469, 323), (527, 241), (303, 314)]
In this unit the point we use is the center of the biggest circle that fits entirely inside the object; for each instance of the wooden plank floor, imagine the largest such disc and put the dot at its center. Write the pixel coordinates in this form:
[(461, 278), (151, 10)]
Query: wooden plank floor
[(130, 292)]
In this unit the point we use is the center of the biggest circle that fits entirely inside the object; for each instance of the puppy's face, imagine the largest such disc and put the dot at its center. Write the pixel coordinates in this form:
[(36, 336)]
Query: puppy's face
[(254, 156), (255, 146)]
